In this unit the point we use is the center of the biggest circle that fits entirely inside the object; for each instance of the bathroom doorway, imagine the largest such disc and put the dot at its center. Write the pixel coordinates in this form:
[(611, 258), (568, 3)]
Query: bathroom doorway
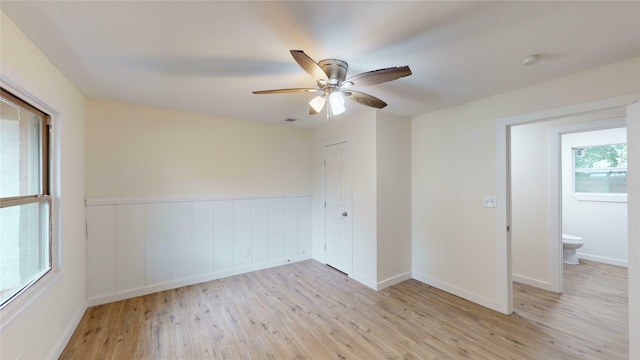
[(568, 298), (507, 219), (537, 194), (581, 214), (594, 196)]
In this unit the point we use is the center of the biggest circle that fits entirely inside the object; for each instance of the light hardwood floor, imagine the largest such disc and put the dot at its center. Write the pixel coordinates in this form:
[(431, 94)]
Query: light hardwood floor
[(590, 318), (309, 311)]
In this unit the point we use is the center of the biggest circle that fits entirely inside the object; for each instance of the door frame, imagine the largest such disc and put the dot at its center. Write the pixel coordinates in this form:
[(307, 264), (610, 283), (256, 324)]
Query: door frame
[(325, 144), (630, 103), (503, 185), (555, 190)]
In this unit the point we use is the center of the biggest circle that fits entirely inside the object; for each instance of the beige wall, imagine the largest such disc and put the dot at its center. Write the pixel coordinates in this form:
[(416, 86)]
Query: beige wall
[(454, 166), (394, 196), (530, 204), (38, 323), (135, 151)]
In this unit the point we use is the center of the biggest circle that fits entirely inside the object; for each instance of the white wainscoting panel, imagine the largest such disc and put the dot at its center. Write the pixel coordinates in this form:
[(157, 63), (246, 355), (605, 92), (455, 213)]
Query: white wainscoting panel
[(130, 247), (242, 233), (136, 247), (203, 247), (290, 227), (276, 229), (260, 231), (304, 225), (223, 235)]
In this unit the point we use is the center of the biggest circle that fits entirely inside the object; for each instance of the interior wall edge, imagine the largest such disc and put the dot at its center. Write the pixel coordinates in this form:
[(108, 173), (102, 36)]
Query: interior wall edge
[(480, 300), (53, 312), (604, 260), (544, 285), (68, 332), (396, 279), (364, 280), (633, 177)]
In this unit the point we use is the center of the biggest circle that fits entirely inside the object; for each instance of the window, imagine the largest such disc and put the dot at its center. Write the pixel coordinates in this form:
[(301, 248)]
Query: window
[(600, 170), (25, 197)]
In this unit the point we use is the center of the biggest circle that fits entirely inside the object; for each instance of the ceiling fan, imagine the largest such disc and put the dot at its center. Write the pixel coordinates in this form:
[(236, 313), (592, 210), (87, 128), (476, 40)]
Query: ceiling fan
[(331, 78)]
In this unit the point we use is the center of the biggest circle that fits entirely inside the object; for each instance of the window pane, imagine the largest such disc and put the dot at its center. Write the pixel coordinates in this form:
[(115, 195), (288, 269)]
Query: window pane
[(19, 151), (24, 246), (601, 182), (601, 157)]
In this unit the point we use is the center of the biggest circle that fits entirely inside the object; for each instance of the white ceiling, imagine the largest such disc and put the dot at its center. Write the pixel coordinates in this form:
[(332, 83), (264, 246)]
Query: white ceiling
[(208, 57)]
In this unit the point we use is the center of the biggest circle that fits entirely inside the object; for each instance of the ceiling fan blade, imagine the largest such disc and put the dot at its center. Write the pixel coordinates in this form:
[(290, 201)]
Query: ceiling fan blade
[(366, 99), (309, 65), (379, 76), (283, 91)]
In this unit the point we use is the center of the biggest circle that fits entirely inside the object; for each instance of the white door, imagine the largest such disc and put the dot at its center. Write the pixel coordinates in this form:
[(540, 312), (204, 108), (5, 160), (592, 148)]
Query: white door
[(337, 190)]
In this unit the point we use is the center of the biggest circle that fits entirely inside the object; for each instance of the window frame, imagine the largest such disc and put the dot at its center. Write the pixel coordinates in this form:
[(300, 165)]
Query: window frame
[(43, 196), (595, 197)]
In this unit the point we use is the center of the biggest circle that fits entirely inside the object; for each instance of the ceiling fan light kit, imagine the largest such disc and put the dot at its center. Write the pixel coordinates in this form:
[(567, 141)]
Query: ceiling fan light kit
[(336, 102), (317, 103), (331, 79)]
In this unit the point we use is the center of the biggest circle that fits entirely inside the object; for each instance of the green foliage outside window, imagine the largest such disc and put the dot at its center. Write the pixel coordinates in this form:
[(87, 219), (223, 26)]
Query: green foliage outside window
[(599, 157), (601, 169)]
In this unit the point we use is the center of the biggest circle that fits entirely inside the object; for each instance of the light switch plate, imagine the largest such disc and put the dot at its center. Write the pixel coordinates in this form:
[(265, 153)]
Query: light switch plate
[(489, 201)]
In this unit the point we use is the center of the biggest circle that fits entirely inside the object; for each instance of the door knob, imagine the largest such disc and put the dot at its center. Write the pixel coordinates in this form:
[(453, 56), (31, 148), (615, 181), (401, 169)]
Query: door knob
[(344, 213)]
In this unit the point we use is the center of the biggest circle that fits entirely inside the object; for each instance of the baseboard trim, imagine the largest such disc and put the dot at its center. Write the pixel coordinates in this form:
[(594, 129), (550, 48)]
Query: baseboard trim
[(532, 282), (393, 280), (191, 281), (71, 328), (364, 281), (605, 260), (480, 300)]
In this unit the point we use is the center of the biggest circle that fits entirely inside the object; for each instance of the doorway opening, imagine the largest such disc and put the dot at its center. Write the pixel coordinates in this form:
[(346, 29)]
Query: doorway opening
[(631, 108), (594, 195), (540, 181), (568, 298)]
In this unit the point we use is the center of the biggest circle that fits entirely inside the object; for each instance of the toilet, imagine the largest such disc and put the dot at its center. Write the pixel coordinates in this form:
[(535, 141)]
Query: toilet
[(570, 243)]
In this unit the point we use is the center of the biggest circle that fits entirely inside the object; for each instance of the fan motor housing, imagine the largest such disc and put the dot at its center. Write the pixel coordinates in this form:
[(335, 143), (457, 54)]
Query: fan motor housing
[(334, 68)]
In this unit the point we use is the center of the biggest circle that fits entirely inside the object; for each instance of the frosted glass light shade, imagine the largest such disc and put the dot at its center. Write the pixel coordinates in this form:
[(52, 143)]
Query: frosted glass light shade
[(337, 103), (317, 103)]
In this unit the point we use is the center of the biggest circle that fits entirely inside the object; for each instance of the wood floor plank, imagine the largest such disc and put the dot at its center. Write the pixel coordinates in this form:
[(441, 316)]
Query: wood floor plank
[(309, 311)]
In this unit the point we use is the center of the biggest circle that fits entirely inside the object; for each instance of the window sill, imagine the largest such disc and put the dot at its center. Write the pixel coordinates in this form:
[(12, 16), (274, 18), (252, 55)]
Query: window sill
[(599, 197), (13, 308)]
